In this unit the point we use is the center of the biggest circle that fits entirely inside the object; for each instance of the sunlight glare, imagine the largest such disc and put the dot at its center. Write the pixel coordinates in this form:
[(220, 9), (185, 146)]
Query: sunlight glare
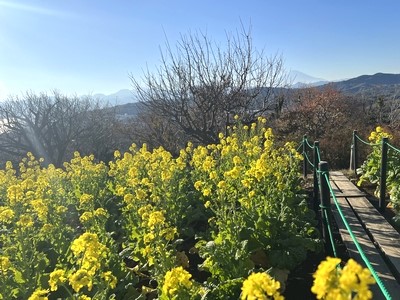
[(30, 8)]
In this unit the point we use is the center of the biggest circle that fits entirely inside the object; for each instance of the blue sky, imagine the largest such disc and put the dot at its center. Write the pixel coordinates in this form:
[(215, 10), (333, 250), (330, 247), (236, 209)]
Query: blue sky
[(91, 46)]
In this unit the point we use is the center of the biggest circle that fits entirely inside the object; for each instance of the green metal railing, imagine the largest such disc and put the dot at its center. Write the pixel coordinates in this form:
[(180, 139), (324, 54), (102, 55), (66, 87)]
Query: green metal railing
[(323, 192)]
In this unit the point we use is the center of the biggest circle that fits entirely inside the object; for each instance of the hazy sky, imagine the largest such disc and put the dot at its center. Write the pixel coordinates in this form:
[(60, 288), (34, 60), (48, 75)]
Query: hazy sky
[(91, 46)]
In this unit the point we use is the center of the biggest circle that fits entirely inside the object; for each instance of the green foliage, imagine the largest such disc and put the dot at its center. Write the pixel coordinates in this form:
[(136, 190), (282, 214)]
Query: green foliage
[(370, 170), (127, 230)]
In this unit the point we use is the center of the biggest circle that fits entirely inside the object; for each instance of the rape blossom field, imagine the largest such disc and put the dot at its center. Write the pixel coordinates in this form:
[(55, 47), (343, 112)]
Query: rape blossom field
[(223, 221)]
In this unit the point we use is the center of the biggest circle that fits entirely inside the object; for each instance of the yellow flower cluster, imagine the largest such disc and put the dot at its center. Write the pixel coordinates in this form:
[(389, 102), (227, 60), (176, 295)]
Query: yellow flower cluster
[(331, 282), (39, 294), (62, 218), (148, 184), (89, 251), (260, 286), (377, 135), (5, 264), (80, 279), (155, 218), (156, 233), (110, 279), (6, 215), (176, 281), (45, 208), (57, 277), (90, 254)]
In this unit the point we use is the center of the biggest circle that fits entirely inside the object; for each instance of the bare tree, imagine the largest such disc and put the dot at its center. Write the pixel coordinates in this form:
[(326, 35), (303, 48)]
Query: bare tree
[(51, 127), (200, 85), (153, 130)]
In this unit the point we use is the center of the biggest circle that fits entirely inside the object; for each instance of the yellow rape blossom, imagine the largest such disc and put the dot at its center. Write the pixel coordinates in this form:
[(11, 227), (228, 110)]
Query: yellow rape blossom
[(198, 184), (110, 279), (260, 286), (39, 294), (5, 263), (234, 173), (6, 214), (148, 237), (40, 208), (56, 277), (206, 192), (144, 211), (129, 198), (100, 212), (246, 183), (169, 233), (213, 175), (155, 218), (325, 277), (90, 250), (221, 184), (15, 194), (86, 217), (140, 194), (25, 221), (80, 279), (333, 283), (86, 199), (356, 278), (61, 209), (46, 228), (117, 154), (175, 280)]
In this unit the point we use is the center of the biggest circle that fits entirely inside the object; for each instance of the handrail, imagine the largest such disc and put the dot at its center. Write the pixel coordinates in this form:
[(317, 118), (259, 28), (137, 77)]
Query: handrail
[(318, 154), (365, 142), (330, 232), (299, 147), (308, 144), (360, 250), (308, 159), (325, 208), (314, 147), (393, 147)]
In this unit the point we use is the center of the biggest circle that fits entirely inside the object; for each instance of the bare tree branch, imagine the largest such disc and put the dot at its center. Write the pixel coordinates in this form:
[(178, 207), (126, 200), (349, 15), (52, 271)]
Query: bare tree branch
[(200, 85)]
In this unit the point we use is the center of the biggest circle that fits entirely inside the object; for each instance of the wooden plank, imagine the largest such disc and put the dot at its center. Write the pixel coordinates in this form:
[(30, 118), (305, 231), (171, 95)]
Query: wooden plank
[(368, 247), (345, 188), (387, 238), (364, 219)]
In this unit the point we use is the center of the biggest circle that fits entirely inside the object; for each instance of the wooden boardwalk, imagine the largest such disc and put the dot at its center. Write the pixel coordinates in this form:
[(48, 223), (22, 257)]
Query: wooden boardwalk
[(378, 239)]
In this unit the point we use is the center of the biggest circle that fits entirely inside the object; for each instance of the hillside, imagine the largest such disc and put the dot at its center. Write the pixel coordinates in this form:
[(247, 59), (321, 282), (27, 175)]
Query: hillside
[(381, 83)]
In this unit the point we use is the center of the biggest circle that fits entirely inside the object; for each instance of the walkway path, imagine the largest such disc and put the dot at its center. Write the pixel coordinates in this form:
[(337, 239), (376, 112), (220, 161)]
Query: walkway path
[(378, 239)]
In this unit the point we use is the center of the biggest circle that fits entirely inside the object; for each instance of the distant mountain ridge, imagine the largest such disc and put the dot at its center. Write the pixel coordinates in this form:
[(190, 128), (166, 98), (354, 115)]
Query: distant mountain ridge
[(127, 105), (119, 98), (378, 81)]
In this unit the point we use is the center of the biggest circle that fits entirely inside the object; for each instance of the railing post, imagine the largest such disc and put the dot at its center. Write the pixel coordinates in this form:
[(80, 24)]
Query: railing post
[(325, 202), (304, 154), (382, 188), (315, 174), (355, 152)]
